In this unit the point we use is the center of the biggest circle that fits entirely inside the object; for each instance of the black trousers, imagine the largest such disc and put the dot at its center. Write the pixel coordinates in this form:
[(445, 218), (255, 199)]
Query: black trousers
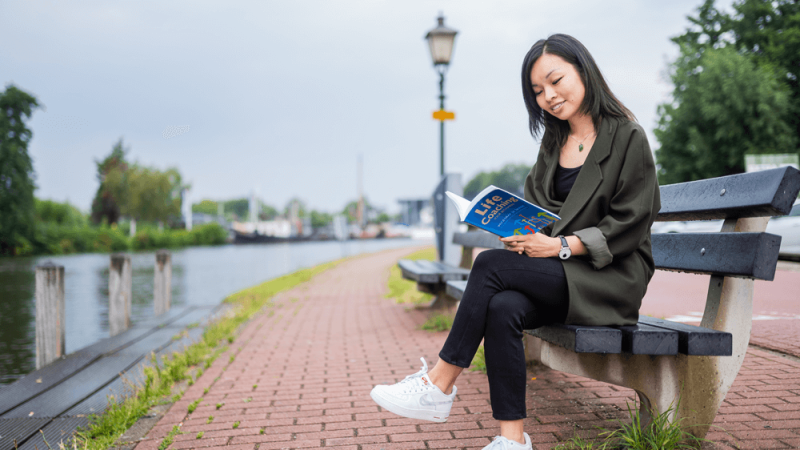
[(506, 294)]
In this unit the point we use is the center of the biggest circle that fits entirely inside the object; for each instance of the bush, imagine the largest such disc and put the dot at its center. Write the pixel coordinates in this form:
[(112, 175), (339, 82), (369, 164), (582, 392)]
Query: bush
[(209, 234)]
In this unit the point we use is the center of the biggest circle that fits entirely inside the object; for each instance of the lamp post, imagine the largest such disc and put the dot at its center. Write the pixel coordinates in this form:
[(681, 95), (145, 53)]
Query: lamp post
[(441, 40)]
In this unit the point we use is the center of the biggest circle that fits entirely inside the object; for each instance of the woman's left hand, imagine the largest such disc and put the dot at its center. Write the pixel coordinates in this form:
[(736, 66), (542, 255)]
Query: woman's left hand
[(535, 245)]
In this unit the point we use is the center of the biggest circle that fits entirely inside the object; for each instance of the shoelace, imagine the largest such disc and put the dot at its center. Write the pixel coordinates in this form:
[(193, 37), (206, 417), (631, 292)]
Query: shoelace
[(414, 383)]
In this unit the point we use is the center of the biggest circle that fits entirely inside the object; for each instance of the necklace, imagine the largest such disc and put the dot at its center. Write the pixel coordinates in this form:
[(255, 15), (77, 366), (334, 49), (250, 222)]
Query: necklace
[(580, 143)]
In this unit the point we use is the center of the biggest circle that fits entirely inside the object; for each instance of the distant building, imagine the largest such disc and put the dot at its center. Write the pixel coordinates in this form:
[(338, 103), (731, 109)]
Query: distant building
[(416, 212)]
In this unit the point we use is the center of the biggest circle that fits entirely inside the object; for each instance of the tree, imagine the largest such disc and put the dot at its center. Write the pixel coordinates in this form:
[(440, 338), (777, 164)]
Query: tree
[(240, 208), (17, 206), (48, 211), (209, 207), (295, 202), (105, 205), (144, 193), (320, 219), (727, 102), (510, 177), (267, 212)]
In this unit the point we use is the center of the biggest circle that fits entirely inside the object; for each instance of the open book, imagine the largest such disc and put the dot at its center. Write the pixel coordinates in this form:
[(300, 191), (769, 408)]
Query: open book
[(502, 213)]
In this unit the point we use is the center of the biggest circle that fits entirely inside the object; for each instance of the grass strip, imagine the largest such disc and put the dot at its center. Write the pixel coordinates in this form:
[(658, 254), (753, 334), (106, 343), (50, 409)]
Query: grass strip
[(160, 378), (662, 433), (405, 291)]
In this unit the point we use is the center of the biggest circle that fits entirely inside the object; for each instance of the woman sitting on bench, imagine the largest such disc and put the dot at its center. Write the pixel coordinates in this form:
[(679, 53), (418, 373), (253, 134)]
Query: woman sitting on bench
[(596, 171)]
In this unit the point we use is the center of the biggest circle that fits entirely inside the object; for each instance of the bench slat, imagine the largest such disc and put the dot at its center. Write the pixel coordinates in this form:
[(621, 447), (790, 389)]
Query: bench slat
[(693, 340), (581, 339), (455, 289), (756, 194), (446, 272), (643, 339), (412, 270), (751, 255)]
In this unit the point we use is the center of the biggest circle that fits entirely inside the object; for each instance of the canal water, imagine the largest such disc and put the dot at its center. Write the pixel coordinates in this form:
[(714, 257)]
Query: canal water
[(200, 276)]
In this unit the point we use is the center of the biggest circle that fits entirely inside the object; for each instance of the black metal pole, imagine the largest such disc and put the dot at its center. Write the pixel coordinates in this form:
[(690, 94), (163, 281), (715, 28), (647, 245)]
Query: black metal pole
[(441, 123)]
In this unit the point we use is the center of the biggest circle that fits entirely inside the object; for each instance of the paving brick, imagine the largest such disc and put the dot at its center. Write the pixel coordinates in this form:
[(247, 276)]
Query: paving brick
[(314, 370)]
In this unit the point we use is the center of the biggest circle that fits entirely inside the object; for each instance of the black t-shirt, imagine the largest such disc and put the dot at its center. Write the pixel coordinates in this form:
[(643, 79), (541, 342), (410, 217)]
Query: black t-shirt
[(564, 180)]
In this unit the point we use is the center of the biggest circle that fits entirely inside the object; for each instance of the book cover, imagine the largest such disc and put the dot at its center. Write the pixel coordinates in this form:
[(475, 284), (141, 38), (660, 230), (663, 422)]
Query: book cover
[(502, 213)]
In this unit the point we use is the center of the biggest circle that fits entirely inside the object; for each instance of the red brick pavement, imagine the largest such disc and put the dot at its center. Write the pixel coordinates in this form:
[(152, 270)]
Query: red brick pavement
[(300, 378)]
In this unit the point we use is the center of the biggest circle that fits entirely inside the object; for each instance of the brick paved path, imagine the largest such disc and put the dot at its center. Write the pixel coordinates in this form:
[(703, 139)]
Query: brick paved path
[(301, 376)]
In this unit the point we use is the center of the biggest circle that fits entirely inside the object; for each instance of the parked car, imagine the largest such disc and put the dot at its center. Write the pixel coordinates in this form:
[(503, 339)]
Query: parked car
[(788, 227)]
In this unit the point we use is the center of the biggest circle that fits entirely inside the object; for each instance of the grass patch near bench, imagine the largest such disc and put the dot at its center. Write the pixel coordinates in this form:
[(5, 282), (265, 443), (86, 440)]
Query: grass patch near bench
[(660, 434), (160, 378), (405, 291), (438, 322)]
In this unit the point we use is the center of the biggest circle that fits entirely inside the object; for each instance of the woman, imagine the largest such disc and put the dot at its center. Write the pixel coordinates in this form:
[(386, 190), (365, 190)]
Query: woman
[(596, 171)]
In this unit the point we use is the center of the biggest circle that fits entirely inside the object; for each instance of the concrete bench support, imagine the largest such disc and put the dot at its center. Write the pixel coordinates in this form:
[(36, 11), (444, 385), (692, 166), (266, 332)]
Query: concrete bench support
[(699, 382), (162, 283), (50, 344), (119, 293)]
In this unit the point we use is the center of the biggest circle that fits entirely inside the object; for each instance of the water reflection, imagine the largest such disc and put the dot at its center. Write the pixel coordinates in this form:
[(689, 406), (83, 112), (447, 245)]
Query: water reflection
[(200, 276)]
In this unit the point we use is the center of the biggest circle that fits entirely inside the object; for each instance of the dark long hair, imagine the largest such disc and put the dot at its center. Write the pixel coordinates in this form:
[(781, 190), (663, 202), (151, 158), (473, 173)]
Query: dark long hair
[(599, 102)]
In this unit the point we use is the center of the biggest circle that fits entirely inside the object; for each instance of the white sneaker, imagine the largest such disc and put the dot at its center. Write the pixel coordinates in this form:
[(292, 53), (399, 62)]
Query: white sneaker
[(501, 443), (416, 397)]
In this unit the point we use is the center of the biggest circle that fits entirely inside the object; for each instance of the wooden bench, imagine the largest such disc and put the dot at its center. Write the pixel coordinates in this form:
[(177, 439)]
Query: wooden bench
[(664, 361)]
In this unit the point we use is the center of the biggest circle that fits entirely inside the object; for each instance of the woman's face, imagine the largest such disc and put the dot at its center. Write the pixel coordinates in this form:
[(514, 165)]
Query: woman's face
[(557, 86)]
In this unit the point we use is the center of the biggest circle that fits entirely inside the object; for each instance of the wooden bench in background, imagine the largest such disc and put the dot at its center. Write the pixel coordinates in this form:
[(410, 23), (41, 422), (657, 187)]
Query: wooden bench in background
[(666, 362)]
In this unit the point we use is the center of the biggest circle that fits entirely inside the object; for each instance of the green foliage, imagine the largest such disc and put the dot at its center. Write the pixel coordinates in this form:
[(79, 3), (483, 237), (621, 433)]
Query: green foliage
[(59, 213), (105, 206), (405, 291), (209, 207), (510, 177), (176, 430), (17, 207), (438, 322), (732, 96), (200, 434), (55, 239), (210, 233), (239, 208), (146, 193), (320, 219), (661, 433), (193, 405), (478, 361)]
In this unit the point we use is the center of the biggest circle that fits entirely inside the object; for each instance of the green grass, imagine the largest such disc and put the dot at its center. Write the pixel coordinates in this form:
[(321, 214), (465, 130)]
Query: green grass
[(405, 291), (200, 434), (438, 322), (170, 438), (479, 361), (160, 378), (193, 405), (660, 434)]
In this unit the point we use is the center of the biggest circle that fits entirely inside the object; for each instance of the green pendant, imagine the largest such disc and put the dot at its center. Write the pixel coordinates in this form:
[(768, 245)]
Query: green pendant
[(580, 147)]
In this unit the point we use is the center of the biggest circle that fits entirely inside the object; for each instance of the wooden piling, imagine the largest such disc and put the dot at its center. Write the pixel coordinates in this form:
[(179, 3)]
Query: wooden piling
[(50, 343), (119, 293), (162, 285)]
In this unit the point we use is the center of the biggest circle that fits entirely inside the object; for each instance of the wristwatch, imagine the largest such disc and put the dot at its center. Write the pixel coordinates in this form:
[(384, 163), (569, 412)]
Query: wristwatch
[(565, 251)]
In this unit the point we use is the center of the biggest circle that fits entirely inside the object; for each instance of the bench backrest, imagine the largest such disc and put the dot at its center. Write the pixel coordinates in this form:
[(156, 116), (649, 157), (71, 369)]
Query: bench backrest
[(738, 254)]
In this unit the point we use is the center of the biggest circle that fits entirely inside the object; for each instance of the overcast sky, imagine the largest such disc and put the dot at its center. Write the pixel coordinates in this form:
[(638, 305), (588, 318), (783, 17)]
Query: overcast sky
[(280, 97)]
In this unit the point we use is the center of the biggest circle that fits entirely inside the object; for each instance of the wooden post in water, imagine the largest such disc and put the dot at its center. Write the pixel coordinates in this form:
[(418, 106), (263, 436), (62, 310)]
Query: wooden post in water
[(49, 314), (162, 286), (119, 293)]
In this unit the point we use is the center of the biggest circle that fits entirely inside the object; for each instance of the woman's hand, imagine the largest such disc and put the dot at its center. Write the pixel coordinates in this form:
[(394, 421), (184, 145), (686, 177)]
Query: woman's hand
[(535, 245)]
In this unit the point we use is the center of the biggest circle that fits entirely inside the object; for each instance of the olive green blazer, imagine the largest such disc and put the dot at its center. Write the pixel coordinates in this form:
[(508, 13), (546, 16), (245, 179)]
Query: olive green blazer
[(611, 207)]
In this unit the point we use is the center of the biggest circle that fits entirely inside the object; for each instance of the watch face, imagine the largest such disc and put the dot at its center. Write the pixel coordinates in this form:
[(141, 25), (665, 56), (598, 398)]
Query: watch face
[(564, 253)]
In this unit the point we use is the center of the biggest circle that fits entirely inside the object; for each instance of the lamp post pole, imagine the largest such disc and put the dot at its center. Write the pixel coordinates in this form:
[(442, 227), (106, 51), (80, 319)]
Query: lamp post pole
[(441, 40), (441, 123)]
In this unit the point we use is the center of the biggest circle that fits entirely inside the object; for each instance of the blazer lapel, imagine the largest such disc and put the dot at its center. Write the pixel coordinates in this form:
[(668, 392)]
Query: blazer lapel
[(589, 177)]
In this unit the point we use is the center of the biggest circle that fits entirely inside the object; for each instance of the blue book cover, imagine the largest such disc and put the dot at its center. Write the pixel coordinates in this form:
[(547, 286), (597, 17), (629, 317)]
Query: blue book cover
[(502, 213)]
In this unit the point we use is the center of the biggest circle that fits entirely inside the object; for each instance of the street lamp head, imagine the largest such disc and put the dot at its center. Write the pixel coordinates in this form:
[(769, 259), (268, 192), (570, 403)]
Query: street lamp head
[(440, 41)]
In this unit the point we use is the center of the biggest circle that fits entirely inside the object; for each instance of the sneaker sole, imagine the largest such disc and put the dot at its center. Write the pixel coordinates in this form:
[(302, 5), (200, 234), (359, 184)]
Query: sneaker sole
[(405, 412)]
